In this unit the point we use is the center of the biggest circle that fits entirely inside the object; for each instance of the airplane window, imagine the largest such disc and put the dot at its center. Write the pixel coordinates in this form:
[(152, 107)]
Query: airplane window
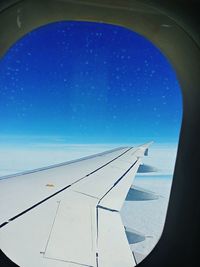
[(72, 89)]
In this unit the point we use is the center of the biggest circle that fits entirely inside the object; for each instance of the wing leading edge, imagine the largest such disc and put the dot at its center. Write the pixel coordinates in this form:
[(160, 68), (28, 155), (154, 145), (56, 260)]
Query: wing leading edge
[(76, 223)]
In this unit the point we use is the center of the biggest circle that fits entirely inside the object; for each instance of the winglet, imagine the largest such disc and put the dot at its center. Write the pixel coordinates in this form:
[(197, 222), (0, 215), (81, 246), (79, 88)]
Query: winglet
[(146, 147)]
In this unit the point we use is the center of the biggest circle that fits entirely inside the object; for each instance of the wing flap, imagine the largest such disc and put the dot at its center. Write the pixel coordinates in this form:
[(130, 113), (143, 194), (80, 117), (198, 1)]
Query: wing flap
[(113, 247), (107, 177), (73, 235), (115, 198)]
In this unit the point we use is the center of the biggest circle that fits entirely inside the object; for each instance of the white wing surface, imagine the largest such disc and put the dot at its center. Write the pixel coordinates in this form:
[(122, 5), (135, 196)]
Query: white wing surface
[(67, 215)]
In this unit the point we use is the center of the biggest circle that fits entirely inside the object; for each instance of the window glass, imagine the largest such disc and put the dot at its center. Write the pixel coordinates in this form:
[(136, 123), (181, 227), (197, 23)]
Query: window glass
[(71, 89)]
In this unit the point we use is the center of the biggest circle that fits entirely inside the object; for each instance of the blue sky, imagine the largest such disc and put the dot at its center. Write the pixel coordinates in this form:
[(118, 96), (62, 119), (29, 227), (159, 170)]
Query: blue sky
[(81, 82)]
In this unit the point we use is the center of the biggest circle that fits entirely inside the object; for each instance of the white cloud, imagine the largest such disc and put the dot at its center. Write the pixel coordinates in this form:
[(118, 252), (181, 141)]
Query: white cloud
[(17, 158), (163, 157), (26, 157)]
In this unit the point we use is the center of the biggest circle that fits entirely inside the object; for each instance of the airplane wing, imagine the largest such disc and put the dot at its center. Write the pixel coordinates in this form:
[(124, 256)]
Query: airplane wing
[(67, 215)]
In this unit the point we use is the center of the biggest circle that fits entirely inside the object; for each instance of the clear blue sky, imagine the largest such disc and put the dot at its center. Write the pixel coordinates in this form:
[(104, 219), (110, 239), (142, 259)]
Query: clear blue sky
[(88, 83)]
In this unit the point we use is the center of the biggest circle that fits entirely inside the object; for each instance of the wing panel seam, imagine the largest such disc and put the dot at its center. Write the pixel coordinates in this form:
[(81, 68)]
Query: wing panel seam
[(61, 190)]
